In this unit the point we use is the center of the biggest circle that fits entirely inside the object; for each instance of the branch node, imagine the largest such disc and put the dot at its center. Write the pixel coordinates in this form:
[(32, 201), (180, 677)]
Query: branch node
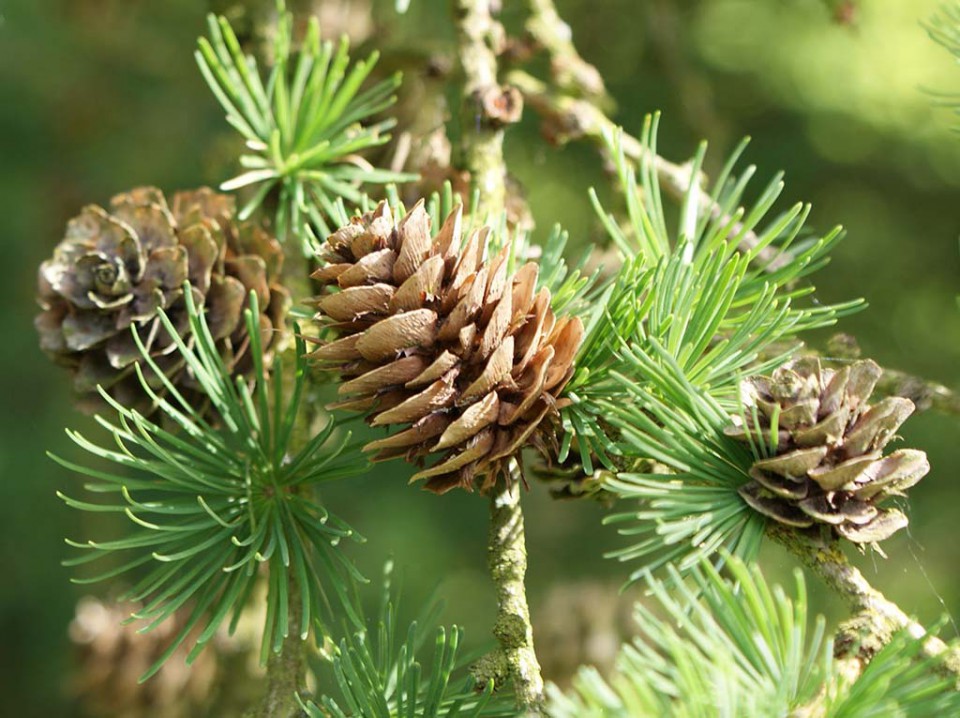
[(499, 106)]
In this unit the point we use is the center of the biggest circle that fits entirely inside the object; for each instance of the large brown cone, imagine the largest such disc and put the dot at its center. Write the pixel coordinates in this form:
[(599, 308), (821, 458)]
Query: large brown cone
[(118, 268), (828, 467), (438, 340)]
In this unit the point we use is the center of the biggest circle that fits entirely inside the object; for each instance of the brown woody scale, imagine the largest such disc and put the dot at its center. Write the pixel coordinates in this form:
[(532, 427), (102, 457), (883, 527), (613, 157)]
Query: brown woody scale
[(828, 467), (440, 341), (118, 268)]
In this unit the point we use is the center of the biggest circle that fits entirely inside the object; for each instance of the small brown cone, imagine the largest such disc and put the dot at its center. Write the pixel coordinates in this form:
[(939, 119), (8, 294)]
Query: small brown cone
[(439, 342), (828, 467)]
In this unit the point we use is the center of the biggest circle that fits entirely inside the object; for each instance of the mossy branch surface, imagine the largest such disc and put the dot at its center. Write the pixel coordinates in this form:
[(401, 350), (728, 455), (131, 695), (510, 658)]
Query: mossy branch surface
[(875, 618), (507, 561), (286, 670)]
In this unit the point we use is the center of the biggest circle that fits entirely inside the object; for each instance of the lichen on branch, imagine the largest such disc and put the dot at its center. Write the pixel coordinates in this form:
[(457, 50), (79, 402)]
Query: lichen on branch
[(875, 619), (507, 561)]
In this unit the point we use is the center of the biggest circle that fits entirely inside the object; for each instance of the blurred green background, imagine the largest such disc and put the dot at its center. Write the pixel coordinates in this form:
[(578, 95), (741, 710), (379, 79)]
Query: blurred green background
[(97, 96)]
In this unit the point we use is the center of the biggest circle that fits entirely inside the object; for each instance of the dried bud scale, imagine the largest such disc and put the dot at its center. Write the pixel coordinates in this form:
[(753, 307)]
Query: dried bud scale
[(118, 268), (827, 466), (438, 339)]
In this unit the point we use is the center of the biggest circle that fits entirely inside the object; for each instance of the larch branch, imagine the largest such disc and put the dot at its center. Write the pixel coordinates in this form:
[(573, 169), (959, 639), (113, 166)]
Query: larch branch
[(875, 619)]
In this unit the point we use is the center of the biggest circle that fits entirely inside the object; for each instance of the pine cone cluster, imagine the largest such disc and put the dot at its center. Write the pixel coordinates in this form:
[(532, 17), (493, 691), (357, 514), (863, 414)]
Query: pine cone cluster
[(118, 268), (828, 466), (438, 338)]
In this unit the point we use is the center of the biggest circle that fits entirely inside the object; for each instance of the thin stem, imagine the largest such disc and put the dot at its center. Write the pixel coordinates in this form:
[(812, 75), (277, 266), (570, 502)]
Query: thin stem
[(875, 618), (285, 670)]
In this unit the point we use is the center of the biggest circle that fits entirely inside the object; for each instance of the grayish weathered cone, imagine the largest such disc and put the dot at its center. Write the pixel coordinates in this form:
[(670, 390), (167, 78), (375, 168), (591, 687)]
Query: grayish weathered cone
[(827, 465), (439, 342), (118, 268)]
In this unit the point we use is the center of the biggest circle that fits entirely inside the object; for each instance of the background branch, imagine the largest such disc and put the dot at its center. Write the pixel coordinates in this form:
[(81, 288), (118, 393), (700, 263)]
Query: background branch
[(568, 118), (487, 107), (926, 395), (570, 71)]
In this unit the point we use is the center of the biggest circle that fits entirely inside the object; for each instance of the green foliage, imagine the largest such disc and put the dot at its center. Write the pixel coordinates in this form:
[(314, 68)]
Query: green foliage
[(899, 682), (380, 674), (303, 125), (944, 29), (741, 648), (572, 289), (689, 314), (214, 509), (689, 505), (716, 307)]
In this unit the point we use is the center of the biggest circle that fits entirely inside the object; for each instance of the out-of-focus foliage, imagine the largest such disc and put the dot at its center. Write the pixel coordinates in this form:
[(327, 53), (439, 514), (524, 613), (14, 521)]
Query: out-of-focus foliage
[(870, 77), (742, 647), (98, 95), (944, 28)]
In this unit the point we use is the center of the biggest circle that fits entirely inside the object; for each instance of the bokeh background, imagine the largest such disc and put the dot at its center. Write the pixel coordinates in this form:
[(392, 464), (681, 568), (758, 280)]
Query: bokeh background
[(100, 95)]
